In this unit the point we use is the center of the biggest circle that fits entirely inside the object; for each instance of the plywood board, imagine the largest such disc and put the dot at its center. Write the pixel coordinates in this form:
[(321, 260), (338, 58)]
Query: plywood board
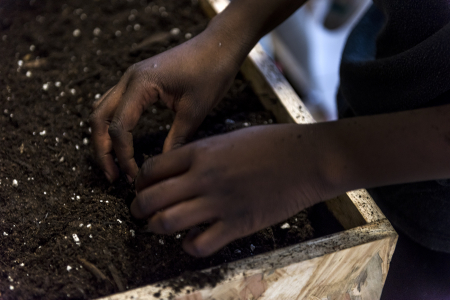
[(336, 266)]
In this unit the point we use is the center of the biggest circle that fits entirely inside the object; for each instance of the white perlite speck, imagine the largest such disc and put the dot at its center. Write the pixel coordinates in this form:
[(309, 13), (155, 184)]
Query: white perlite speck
[(119, 221), (88, 226), (285, 226), (175, 31), (85, 141), (178, 236), (97, 96), (161, 242), (15, 183), (11, 287), (132, 232), (252, 247), (69, 268), (43, 132), (76, 239), (237, 251), (76, 33), (97, 31), (28, 74)]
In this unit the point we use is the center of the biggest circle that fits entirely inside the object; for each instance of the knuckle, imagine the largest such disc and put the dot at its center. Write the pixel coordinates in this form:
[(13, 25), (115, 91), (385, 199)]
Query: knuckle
[(178, 141), (200, 249), (144, 173), (166, 223), (115, 129), (138, 78), (142, 204), (130, 70), (94, 118), (147, 166)]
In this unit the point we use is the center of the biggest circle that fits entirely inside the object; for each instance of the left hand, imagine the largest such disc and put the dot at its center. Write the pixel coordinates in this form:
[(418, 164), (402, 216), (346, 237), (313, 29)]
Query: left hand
[(240, 182)]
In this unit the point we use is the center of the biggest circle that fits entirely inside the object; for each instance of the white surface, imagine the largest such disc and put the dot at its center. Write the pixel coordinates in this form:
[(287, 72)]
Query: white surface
[(310, 54)]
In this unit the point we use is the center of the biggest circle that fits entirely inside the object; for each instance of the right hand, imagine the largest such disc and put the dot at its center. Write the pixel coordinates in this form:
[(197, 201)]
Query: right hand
[(190, 79)]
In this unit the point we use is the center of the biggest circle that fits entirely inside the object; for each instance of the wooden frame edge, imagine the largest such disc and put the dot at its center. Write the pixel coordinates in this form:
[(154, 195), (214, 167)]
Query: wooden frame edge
[(380, 232)]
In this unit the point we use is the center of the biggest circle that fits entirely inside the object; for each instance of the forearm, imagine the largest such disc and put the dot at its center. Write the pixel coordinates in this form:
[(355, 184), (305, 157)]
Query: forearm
[(244, 22), (386, 149)]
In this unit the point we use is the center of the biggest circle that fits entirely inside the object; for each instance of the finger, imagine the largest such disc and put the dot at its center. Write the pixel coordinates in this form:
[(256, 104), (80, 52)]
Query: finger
[(163, 166), (187, 120), (134, 101), (210, 241), (181, 216), (162, 195), (97, 102), (99, 121)]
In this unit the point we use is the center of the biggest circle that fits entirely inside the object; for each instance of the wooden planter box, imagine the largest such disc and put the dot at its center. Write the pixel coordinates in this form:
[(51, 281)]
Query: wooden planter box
[(352, 264)]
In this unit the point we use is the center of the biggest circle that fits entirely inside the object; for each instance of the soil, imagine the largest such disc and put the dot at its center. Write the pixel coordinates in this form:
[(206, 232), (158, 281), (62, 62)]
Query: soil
[(65, 232)]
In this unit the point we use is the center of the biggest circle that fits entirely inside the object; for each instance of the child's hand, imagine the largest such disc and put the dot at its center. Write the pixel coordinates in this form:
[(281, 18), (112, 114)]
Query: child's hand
[(240, 182), (190, 79)]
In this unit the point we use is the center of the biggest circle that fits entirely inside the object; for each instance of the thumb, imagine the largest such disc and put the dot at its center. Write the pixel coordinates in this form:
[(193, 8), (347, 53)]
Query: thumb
[(183, 128)]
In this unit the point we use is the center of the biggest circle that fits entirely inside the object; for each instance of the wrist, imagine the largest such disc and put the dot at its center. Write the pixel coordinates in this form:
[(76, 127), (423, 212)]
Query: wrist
[(335, 169)]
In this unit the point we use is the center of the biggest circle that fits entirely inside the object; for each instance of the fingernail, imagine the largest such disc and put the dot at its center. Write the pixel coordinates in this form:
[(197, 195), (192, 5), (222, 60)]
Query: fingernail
[(130, 179), (108, 177), (193, 233), (176, 146)]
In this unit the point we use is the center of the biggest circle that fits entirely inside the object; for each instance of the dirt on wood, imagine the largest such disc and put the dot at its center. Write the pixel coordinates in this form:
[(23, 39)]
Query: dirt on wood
[(65, 232)]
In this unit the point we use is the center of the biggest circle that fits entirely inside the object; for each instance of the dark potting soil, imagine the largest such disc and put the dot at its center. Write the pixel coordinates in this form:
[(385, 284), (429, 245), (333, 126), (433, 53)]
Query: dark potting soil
[(65, 232)]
